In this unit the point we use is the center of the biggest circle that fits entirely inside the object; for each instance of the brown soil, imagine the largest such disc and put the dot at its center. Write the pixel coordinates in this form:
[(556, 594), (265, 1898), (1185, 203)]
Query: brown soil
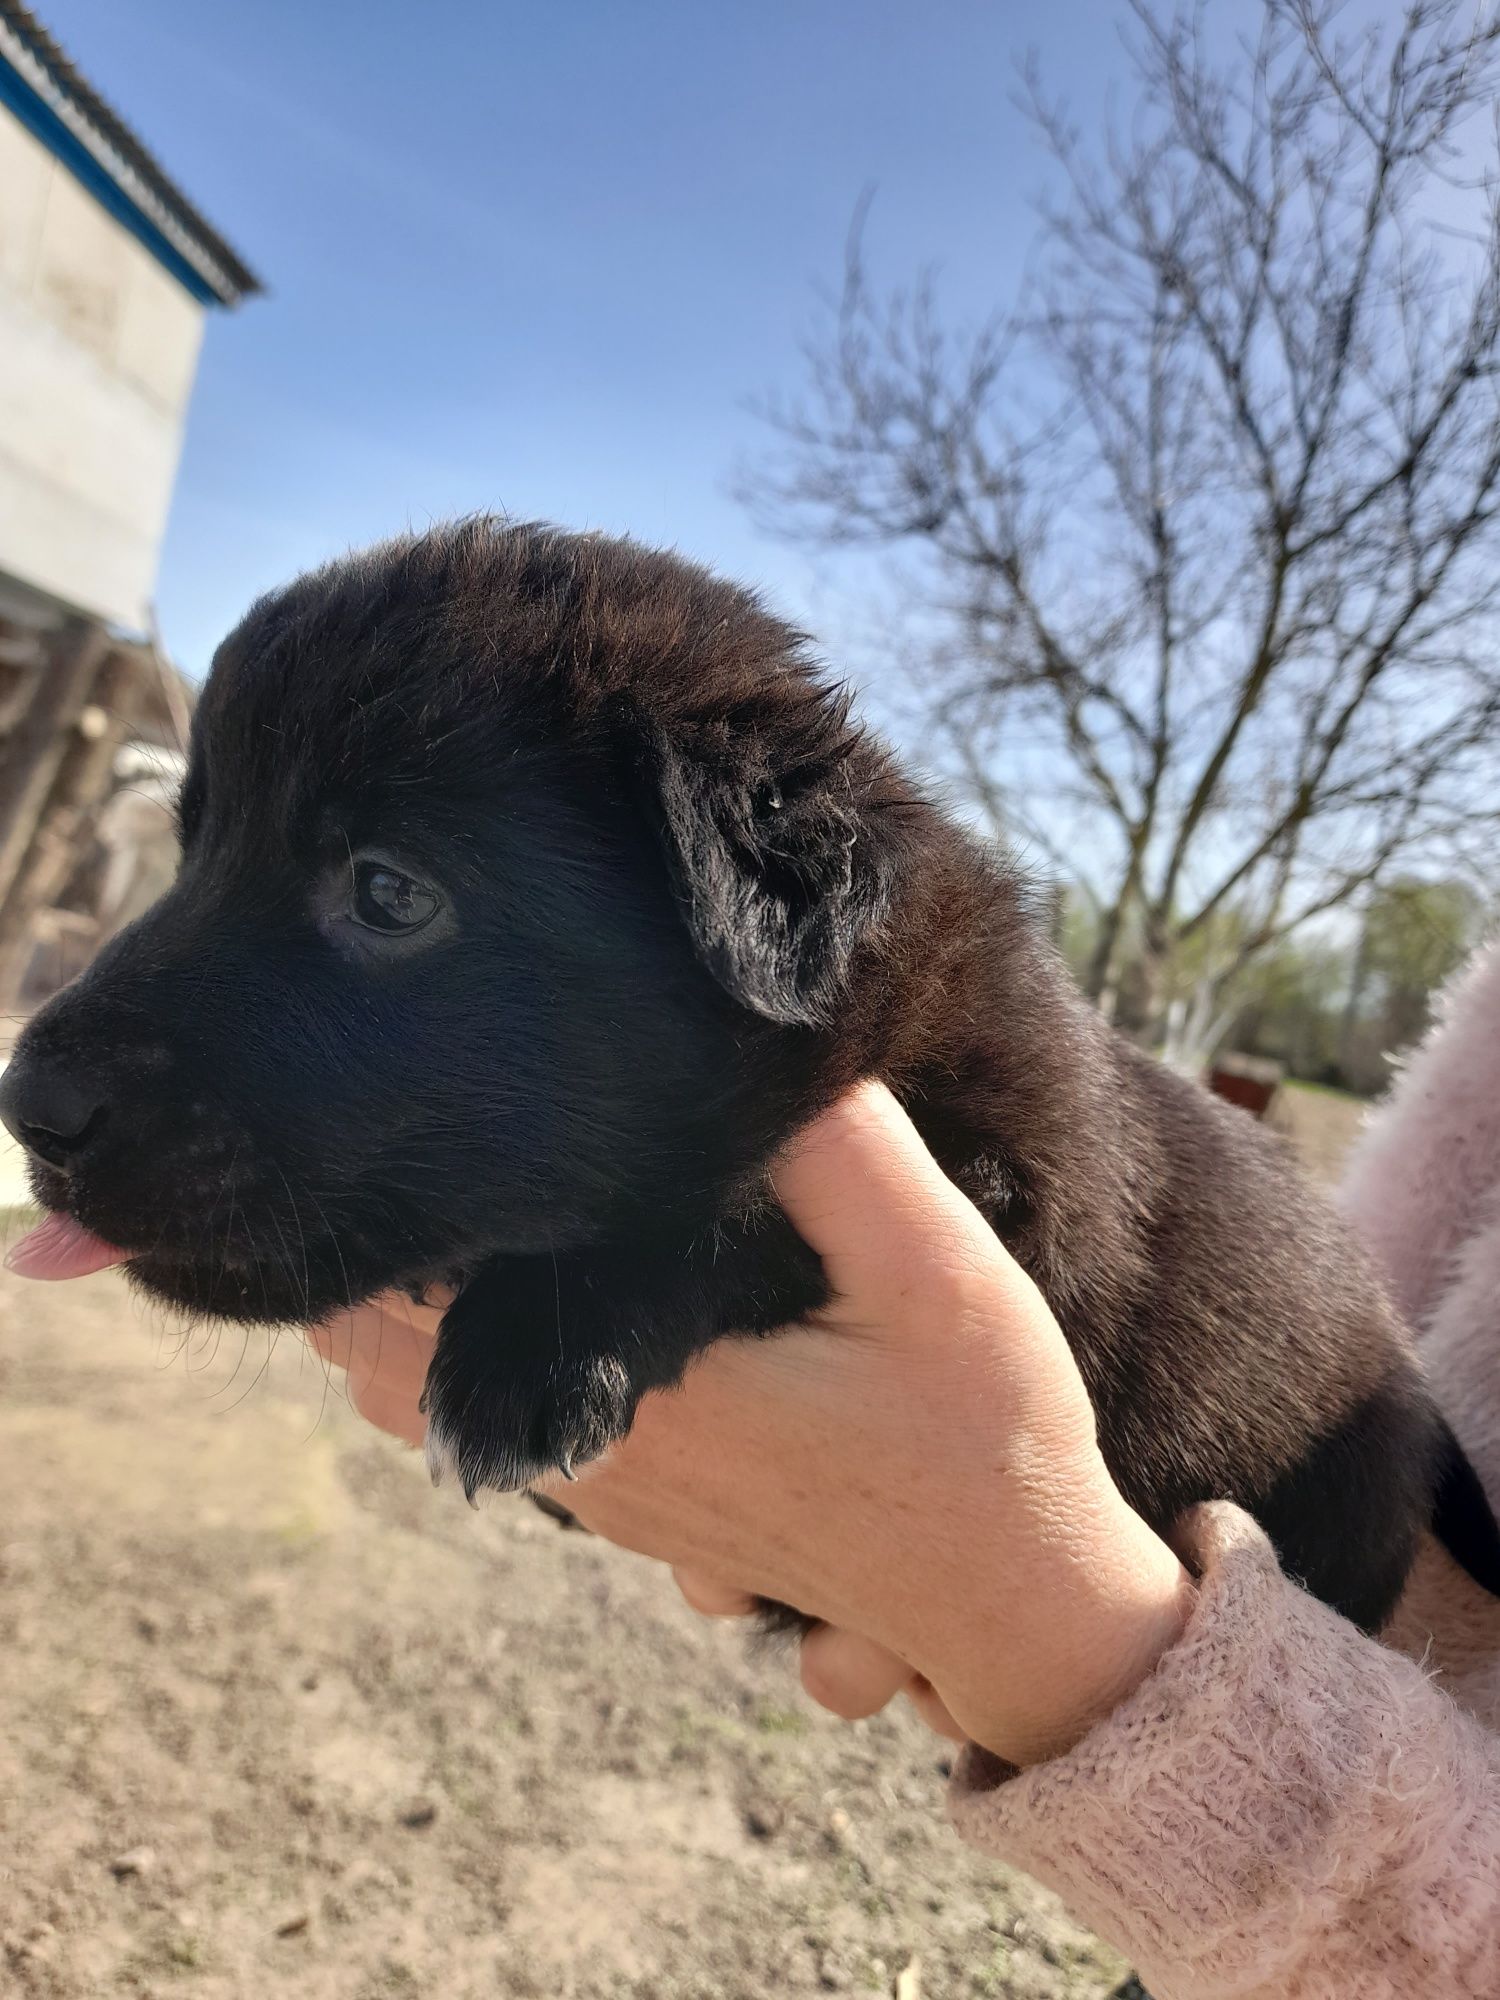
[(276, 1719)]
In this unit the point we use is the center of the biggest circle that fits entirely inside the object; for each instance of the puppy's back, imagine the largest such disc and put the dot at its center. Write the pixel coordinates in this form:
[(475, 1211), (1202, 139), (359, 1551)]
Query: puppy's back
[(1233, 1336), (1265, 1334)]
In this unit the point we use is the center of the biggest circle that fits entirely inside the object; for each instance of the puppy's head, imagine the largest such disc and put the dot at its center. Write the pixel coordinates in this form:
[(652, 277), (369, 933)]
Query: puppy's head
[(521, 877)]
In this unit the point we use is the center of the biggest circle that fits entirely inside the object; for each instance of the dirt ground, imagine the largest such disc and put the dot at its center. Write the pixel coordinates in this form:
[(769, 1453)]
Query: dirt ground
[(1321, 1124), (277, 1719)]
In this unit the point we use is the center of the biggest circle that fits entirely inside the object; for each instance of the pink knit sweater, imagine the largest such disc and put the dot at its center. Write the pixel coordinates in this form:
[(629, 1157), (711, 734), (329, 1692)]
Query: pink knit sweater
[(1287, 1810)]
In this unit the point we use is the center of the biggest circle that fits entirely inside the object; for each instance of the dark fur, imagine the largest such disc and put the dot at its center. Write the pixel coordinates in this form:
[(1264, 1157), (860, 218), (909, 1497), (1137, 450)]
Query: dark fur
[(689, 903)]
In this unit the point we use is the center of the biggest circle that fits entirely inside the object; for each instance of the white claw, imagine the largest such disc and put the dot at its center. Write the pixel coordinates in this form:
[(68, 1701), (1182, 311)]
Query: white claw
[(440, 1455)]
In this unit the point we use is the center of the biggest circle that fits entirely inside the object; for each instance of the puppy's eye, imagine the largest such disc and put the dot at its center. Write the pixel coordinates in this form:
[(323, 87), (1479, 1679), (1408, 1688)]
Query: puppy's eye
[(384, 900)]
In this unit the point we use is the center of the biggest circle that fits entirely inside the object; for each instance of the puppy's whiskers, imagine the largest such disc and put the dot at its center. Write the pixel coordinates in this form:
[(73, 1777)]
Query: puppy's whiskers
[(302, 1241), (260, 1374)]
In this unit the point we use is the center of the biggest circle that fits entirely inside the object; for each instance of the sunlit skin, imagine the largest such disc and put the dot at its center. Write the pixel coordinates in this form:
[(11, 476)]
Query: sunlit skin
[(918, 1471)]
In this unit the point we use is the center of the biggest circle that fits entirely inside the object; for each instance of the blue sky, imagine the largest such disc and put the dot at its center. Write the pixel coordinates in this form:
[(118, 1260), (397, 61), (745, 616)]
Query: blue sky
[(540, 257)]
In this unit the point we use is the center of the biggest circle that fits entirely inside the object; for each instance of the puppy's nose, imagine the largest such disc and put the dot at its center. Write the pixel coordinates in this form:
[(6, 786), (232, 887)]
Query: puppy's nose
[(52, 1113)]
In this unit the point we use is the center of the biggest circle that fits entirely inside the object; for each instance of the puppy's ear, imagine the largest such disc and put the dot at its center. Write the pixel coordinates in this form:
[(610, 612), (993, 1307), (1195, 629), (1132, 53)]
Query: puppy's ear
[(781, 875)]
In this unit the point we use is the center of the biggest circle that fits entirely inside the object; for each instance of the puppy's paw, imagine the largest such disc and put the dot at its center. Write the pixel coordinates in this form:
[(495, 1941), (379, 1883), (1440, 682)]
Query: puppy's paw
[(505, 1429)]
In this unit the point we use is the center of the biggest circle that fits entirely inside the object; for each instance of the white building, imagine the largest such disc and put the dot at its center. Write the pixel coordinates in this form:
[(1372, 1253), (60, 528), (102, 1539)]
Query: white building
[(106, 273)]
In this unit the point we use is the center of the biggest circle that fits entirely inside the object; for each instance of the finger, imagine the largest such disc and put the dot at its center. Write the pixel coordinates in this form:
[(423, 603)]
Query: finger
[(864, 1192), (931, 1707), (389, 1407), (332, 1339), (712, 1598), (358, 1336), (850, 1675), (389, 1336), (362, 1327), (384, 1348)]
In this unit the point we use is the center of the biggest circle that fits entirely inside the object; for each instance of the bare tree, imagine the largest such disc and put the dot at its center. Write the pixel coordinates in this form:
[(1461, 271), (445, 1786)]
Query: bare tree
[(1211, 516)]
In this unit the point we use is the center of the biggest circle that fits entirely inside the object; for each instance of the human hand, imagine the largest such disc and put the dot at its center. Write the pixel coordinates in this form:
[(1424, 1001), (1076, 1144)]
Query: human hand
[(918, 1471)]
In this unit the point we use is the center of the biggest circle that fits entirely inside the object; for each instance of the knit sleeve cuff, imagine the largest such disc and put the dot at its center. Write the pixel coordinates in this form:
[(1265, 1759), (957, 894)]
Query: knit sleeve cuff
[(1219, 1825)]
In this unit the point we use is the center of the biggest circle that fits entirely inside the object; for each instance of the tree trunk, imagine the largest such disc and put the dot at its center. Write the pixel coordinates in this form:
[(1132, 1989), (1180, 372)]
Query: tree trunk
[(1354, 1006), (1101, 973)]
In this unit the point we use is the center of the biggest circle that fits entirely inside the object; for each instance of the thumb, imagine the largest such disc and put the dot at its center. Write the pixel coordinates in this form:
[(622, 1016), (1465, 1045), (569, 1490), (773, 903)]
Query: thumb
[(863, 1191)]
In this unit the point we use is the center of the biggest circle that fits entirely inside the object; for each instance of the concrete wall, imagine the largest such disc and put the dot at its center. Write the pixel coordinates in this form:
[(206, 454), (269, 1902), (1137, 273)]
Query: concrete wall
[(98, 347)]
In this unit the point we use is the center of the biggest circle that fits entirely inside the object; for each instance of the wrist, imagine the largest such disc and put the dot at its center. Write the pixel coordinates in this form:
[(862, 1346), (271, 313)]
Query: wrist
[(1100, 1634)]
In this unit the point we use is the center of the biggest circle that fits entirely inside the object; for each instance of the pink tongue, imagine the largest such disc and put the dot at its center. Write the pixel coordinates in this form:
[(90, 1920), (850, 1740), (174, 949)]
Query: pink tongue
[(59, 1247)]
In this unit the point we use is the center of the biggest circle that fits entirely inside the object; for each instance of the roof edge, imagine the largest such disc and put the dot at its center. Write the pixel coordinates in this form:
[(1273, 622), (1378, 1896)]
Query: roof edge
[(74, 122)]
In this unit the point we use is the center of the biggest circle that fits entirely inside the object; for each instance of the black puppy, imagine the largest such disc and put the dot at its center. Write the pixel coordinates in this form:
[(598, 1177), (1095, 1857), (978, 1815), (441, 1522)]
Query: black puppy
[(534, 889)]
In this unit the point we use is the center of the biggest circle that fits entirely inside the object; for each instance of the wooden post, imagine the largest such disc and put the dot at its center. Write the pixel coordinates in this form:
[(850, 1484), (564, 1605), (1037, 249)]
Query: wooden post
[(34, 750)]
